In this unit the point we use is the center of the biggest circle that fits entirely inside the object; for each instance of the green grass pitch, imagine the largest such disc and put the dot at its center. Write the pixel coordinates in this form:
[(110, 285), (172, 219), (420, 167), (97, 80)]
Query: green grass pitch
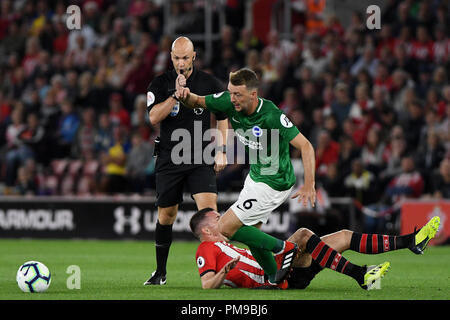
[(117, 269)]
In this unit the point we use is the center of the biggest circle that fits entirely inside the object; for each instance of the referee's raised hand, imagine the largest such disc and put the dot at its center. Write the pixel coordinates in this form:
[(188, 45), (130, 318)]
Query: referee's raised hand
[(180, 81)]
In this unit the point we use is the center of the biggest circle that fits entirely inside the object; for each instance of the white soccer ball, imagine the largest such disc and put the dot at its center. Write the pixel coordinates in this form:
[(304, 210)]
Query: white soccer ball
[(33, 276)]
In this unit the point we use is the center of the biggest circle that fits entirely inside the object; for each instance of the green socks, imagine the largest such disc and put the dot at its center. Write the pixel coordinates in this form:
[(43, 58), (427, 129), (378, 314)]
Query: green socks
[(261, 246), (253, 237)]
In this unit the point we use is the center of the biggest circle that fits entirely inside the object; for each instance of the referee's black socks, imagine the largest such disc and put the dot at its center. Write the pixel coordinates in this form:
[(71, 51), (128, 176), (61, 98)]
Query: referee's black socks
[(163, 240)]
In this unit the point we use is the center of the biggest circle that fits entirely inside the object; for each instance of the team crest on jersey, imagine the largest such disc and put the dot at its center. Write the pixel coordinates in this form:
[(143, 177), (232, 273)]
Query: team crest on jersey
[(285, 121), (175, 109), (257, 131), (200, 262), (198, 111)]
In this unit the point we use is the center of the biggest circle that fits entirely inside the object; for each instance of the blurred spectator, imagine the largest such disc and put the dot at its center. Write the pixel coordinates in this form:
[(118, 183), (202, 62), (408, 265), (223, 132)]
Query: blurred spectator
[(139, 159), (372, 151), (407, 184), (114, 163), (290, 101), (118, 114), (367, 61), (29, 145), (413, 123), (162, 59), (313, 58), (26, 184), (139, 118), (117, 73), (361, 103), (393, 154), (280, 50), (104, 134), (333, 128), (347, 153), (429, 156), (247, 42), (361, 183), (332, 181), (309, 99), (317, 126), (341, 106), (327, 152), (440, 188), (68, 126), (400, 86), (85, 138)]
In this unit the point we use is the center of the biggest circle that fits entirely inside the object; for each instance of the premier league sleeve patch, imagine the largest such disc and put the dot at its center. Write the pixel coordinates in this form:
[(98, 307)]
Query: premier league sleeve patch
[(150, 98), (285, 121)]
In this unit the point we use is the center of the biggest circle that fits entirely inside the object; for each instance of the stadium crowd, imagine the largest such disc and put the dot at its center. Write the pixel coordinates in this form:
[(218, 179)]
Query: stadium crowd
[(374, 103)]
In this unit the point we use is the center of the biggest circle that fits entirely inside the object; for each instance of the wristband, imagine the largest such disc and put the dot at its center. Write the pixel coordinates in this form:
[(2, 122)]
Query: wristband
[(222, 148)]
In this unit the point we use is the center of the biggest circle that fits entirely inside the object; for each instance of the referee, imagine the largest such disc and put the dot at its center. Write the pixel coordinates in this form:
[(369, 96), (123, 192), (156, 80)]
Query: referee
[(172, 178)]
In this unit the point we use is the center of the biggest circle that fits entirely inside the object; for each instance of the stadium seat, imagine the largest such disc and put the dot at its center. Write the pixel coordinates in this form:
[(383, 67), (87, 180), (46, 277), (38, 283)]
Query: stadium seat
[(67, 185), (51, 184), (90, 168), (59, 167), (84, 185), (75, 168)]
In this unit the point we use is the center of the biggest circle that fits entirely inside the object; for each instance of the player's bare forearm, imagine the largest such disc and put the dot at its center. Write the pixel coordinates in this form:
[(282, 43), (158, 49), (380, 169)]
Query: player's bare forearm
[(309, 163), (308, 158), (307, 192), (191, 100), (215, 281), (222, 126), (210, 281), (221, 140)]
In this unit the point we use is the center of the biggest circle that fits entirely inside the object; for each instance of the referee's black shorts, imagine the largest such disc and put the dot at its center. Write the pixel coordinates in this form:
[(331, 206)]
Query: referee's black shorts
[(171, 183)]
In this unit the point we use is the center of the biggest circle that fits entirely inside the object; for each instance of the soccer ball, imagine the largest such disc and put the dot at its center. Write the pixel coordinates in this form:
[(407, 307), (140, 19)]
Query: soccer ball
[(33, 276)]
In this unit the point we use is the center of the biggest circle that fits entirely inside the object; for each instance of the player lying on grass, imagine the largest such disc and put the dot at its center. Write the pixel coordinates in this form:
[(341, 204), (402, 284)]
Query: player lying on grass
[(220, 262)]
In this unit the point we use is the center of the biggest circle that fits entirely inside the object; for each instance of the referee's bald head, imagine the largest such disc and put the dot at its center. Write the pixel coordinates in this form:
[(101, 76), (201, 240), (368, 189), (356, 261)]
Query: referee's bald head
[(182, 43)]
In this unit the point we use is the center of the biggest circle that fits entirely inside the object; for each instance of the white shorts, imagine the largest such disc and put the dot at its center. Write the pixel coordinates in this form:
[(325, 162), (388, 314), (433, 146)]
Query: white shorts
[(257, 201)]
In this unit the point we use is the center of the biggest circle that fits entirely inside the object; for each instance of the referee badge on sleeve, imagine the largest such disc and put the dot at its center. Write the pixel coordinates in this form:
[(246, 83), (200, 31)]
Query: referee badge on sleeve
[(150, 98)]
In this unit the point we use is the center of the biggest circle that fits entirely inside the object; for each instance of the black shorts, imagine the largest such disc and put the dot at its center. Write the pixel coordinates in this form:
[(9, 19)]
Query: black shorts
[(171, 183)]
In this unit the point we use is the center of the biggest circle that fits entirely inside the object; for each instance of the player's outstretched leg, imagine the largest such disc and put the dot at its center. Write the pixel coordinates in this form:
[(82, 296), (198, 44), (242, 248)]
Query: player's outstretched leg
[(379, 243), (424, 235), (327, 257)]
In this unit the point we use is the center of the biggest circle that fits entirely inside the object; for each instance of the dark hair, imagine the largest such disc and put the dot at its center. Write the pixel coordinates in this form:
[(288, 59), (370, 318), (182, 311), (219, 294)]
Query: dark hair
[(197, 218), (246, 77)]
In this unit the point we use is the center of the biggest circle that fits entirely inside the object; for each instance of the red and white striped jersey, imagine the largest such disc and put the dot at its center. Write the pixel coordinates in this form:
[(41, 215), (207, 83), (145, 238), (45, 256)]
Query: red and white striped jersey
[(212, 256)]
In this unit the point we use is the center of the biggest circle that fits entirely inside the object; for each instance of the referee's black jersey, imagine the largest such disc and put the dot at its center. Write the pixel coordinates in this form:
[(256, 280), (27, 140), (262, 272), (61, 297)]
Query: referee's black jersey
[(195, 121)]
